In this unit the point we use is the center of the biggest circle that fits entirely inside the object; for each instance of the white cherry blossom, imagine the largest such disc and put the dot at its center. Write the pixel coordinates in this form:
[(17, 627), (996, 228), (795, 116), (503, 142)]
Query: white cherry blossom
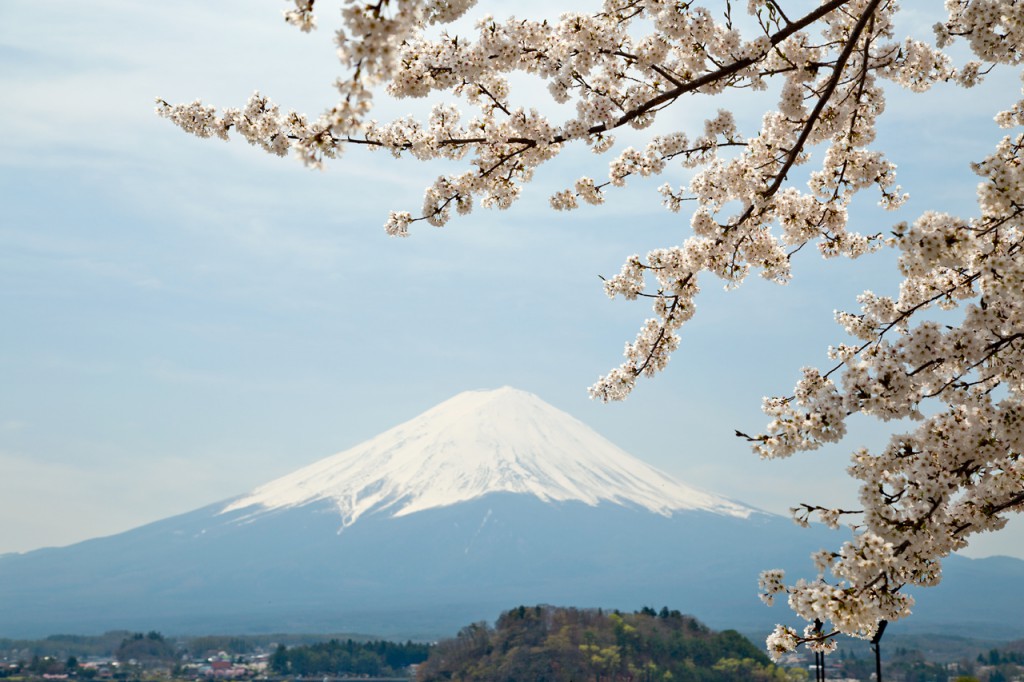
[(960, 471)]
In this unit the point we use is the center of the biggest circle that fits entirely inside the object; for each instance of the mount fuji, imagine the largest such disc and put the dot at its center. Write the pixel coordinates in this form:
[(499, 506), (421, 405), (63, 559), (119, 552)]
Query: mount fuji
[(488, 500), (475, 444)]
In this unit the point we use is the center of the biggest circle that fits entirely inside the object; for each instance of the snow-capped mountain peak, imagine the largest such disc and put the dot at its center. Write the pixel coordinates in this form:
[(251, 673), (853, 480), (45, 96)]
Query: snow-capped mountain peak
[(481, 442)]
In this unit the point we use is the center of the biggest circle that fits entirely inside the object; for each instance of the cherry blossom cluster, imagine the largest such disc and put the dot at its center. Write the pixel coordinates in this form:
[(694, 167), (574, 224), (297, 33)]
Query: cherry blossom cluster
[(961, 470)]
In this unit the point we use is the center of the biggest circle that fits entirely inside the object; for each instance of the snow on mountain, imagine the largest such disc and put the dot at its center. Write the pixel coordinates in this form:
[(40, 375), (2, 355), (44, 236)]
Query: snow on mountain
[(476, 443)]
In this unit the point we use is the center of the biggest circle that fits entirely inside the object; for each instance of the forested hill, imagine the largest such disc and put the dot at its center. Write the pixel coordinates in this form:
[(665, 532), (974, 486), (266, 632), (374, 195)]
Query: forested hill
[(550, 644)]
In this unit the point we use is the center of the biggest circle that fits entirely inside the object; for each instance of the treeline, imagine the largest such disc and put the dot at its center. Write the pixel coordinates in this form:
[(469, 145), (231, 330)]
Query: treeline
[(911, 665), (41, 666), (551, 644), (110, 643), (347, 658), (122, 645), (141, 648), (62, 646), (997, 657)]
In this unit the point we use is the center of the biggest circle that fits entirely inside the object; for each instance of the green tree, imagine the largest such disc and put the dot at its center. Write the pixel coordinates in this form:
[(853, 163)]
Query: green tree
[(148, 648), (548, 644), (278, 662), (749, 670)]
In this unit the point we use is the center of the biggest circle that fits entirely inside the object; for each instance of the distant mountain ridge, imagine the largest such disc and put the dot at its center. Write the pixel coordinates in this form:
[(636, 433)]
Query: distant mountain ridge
[(490, 500)]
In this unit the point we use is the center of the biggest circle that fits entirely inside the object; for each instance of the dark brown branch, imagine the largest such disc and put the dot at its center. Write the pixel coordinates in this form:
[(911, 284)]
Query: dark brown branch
[(725, 71), (824, 98)]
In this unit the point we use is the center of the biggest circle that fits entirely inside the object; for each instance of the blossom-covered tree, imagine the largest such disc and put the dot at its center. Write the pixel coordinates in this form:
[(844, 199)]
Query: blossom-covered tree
[(961, 470)]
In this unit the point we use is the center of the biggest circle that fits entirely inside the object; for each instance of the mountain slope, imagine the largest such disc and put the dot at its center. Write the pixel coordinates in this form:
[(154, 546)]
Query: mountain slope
[(490, 500), (423, 574)]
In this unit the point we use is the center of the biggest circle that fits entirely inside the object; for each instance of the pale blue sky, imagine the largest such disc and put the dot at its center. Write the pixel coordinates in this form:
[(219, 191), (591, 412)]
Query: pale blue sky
[(186, 319)]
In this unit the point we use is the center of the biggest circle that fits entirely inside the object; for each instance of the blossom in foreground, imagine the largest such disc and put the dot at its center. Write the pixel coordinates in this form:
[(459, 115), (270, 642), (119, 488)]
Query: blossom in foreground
[(960, 471)]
